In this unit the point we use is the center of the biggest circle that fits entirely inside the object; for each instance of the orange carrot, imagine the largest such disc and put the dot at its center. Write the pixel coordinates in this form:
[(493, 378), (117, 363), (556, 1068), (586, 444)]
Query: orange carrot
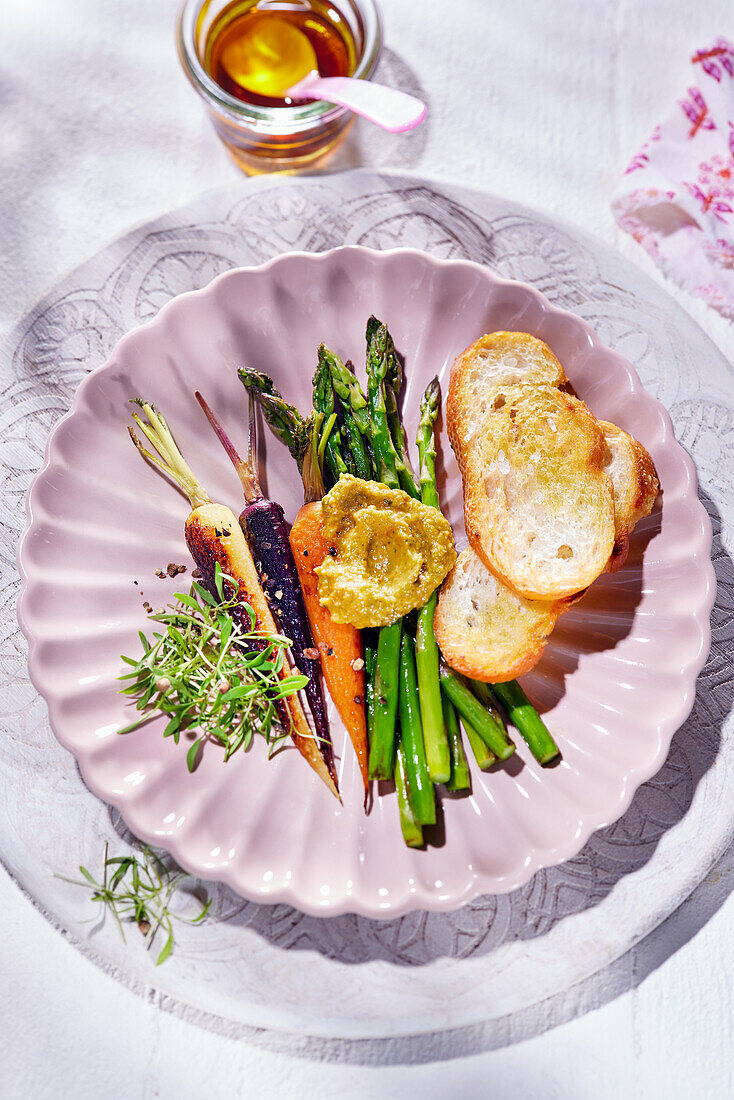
[(339, 645)]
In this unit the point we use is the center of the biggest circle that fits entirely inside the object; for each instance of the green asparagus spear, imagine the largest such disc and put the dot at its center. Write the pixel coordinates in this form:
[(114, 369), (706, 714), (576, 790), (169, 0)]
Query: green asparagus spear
[(426, 442), (459, 779), (420, 789), (305, 437), (392, 384), (426, 649), (382, 746), (360, 462), (411, 829), (370, 667), (377, 364), (372, 326), (434, 731), (483, 755), (393, 368), (472, 711), (354, 419), (525, 718), (323, 402), (285, 420), (349, 391), (388, 645), (487, 699), (261, 384)]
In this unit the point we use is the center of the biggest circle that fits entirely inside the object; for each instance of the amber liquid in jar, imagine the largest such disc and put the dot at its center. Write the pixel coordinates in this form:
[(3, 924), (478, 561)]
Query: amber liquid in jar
[(242, 22)]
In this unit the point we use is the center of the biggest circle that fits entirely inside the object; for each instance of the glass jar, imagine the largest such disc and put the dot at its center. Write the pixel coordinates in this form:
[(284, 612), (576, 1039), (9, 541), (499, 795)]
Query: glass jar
[(282, 138)]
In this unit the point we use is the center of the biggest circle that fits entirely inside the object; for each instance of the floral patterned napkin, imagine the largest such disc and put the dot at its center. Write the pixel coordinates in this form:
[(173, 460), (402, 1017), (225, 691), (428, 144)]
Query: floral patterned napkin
[(677, 195)]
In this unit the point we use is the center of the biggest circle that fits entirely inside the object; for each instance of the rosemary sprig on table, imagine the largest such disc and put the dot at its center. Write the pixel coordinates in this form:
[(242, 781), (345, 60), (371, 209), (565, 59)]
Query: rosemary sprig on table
[(139, 890), (205, 674)]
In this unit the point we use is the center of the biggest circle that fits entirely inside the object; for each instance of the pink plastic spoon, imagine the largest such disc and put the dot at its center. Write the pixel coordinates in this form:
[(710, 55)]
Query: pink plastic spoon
[(389, 108)]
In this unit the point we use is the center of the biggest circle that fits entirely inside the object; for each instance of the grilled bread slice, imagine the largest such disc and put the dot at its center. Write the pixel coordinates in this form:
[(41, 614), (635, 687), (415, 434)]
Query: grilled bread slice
[(480, 374), (633, 478), (484, 629), (538, 503), (505, 411)]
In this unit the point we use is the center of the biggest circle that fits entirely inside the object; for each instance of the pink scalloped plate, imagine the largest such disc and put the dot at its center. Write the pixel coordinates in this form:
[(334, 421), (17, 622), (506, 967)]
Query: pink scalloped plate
[(616, 681)]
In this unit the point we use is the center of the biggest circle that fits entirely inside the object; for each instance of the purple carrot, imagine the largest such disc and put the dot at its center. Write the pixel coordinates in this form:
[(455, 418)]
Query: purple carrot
[(263, 524)]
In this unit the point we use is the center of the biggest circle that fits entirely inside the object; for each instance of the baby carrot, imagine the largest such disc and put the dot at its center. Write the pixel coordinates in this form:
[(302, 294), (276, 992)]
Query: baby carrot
[(339, 645)]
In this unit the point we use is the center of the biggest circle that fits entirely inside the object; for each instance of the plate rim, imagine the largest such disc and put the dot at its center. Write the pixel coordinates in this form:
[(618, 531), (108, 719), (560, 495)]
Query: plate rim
[(630, 780)]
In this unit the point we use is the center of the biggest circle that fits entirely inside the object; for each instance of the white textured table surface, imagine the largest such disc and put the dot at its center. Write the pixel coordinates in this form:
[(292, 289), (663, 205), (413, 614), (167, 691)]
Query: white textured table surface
[(101, 131)]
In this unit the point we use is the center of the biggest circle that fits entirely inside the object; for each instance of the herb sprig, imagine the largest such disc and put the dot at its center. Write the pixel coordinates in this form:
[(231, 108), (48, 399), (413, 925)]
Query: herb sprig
[(139, 890), (207, 674)]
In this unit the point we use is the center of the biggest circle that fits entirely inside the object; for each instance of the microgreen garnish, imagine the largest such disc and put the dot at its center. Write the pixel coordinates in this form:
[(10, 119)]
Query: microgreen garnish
[(138, 890), (208, 675)]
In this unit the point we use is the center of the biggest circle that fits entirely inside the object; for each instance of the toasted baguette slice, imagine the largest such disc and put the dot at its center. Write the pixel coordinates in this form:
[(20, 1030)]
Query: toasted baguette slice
[(633, 478), (484, 629), (487, 631), (480, 373), (538, 503)]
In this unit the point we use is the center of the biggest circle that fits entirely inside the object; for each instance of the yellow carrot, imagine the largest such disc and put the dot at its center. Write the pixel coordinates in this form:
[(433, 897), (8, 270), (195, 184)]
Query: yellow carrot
[(339, 644)]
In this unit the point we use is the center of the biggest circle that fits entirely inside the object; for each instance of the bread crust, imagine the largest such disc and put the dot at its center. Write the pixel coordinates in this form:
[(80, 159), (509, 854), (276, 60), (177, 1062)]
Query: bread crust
[(648, 483), (633, 477)]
